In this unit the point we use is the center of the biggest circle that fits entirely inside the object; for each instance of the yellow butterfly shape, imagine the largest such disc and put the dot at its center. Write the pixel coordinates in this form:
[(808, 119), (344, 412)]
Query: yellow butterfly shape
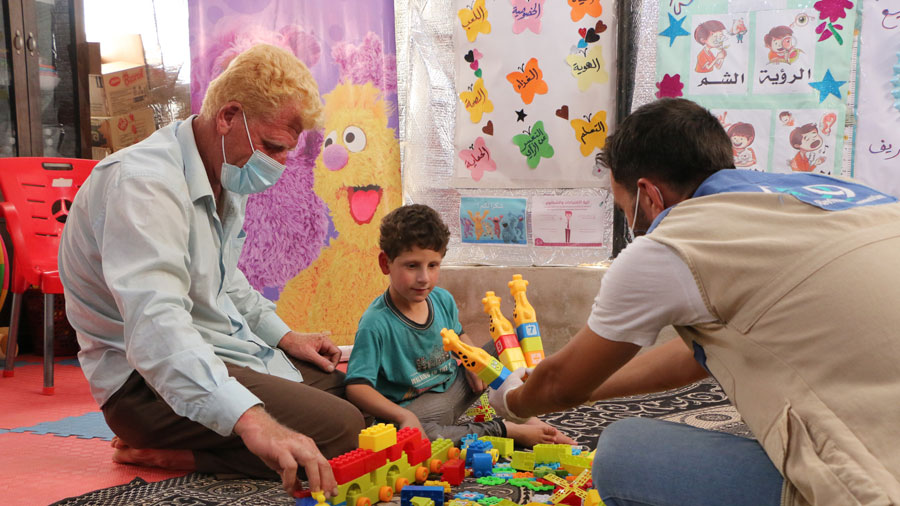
[(474, 20), (590, 134), (476, 101), (588, 68)]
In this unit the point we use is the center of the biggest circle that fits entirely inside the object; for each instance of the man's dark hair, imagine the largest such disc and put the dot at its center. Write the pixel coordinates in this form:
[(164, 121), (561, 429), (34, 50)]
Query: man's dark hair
[(413, 225), (798, 133), (672, 139)]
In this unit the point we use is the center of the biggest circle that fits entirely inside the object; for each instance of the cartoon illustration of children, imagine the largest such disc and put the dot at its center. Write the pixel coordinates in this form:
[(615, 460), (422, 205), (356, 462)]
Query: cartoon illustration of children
[(780, 41), (742, 136), (710, 34), (806, 140), (786, 118), (739, 29)]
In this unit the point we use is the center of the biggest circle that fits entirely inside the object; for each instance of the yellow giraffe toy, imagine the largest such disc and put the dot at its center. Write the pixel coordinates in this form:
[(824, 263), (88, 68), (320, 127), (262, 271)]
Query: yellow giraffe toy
[(527, 328), (503, 334), (486, 367)]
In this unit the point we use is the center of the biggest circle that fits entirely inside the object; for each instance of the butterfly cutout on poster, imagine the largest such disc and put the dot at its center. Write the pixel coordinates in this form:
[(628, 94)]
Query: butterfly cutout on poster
[(534, 144), (590, 132), (476, 101), (475, 20), (528, 81), (580, 8), (478, 159), (527, 14), (588, 67)]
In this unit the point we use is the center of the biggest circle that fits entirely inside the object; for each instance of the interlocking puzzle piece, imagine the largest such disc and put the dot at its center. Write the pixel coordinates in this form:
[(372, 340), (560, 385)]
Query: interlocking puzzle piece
[(490, 501), (436, 494), (503, 334), (482, 464), (468, 495), (486, 367), (491, 480), (523, 461), (504, 445), (378, 437), (468, 438), (504, 471), (453, 471)]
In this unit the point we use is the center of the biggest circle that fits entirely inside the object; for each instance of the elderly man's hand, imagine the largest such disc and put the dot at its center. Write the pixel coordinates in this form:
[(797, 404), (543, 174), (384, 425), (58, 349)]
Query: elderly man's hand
[(316, 348)]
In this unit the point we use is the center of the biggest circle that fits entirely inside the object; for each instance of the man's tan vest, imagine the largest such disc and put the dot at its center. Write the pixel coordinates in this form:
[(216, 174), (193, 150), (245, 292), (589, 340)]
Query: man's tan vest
[(807, 343)]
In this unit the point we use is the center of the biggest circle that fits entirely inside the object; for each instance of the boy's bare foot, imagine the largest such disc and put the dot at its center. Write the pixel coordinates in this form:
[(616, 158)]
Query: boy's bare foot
[(560, 436), (173, 460)]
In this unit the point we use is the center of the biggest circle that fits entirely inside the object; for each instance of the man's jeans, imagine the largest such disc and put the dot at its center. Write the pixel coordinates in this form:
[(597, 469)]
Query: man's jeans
[(642, 461)]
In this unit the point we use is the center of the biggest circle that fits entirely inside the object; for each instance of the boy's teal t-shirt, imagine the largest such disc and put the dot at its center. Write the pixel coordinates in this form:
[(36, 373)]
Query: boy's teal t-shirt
[(399, 357)]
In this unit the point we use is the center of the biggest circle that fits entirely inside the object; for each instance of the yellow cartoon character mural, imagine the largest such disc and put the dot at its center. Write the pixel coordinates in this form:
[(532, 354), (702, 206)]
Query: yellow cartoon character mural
[(357, 176)]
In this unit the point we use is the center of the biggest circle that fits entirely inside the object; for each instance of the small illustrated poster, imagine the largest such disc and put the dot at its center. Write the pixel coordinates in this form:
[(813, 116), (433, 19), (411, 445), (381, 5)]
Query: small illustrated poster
[(775, 73), (535, 91), (567, 221), (876, 156), (493, 220)]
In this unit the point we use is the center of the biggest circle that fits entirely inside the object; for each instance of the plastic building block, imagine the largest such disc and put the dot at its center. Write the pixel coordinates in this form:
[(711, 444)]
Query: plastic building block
[(504, 445), (440, 453), (526, 322), (378, 437), (434, 483), (491, 480), (421, 501), (575, 464), (469, 495), (435, 494), (547, 453), (453, 472), (461, 502), (523, 461), (567, 488), (418, 452), (506, 502), (468, 438), (490, 501), (504, 471), (503, 334), (482, 464), (486, 367), (477, 447), (350, 465)]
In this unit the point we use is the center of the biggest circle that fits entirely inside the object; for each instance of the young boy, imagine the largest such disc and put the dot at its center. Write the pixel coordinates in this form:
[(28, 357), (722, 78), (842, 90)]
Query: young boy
[(398, 370)]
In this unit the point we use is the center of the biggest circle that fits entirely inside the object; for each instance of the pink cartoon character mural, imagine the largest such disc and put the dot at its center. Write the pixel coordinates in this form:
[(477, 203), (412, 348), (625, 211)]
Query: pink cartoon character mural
[(807, 140), (711, 35), (780, 42), (742, 136)]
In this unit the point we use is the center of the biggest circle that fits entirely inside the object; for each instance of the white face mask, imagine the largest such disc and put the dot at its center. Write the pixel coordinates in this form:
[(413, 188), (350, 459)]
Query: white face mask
[(258, 173), (630, 236)]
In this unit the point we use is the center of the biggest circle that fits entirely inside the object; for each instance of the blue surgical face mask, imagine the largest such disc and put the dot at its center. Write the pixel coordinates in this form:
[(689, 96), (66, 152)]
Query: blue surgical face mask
[(258, 173)]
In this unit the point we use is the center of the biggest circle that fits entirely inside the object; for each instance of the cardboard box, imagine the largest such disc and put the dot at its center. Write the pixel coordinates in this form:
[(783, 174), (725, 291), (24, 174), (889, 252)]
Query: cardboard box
[(122, 87), (123, 130)]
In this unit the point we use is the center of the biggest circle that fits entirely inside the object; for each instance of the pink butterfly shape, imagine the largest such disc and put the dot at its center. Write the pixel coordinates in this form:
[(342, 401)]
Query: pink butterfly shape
[(478, 160), (527, 14)]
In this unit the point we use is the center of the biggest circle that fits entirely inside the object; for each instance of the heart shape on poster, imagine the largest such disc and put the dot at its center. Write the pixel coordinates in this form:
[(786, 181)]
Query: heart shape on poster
[(600, 27), (478, 73), (489, 128), (563, 112), (470, 56), (591, 36), (582, 32)]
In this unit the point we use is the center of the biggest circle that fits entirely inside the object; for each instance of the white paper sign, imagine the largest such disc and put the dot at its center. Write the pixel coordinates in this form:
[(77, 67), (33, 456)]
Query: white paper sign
[(567, 221)]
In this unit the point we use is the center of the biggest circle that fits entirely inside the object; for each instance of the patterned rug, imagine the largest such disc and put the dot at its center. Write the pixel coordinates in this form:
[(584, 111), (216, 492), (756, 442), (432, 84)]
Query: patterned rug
[(702, 404)]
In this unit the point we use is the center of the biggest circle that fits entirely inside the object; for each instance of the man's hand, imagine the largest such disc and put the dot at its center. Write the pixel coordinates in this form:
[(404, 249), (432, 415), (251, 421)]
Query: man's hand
[(498, 396), (475, 383), (315, 348), (410, 419), (284, 451)]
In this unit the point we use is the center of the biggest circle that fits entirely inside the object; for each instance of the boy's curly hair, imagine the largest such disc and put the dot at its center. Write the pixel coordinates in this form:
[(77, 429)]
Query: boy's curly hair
[(413, 225)]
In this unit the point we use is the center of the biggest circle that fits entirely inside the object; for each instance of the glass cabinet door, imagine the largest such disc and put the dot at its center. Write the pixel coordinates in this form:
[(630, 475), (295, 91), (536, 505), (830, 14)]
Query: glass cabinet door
[(8, 142), (59, 121)]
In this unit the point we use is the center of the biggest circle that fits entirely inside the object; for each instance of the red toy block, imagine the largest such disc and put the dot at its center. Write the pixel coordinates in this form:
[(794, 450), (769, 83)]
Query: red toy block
[(408, 434), (350, 465), (571, 500), (376, 460), (453, 471), (419, 453)]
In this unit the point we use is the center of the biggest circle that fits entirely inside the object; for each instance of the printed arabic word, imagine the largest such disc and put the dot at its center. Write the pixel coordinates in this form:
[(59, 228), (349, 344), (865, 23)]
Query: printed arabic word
[(527, 14), (535, 144), (590, 134), (478, 159), (476, 101), (727, 78), (885, 149), (474, 20), (782, 77), (588, 67), (529, 81)]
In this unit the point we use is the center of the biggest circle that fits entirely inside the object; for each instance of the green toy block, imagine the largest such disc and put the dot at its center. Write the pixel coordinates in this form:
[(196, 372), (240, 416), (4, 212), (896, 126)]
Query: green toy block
[(523, 461)]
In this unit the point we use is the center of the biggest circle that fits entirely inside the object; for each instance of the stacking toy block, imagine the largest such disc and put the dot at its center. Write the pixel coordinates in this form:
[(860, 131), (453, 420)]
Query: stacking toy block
[(503, 334), (475, 448), (504, 445), (351, 465), (486, 367), (575, 464), (523, 461), (378, 437), (482, 464), (421, 501), (435, 494), (550, 453), (593, 498), (453, 471), (526, 322)]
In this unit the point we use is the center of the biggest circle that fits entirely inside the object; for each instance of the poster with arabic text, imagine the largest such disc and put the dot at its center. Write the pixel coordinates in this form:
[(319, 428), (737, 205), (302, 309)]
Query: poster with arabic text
[(535, 86), (776, 73)]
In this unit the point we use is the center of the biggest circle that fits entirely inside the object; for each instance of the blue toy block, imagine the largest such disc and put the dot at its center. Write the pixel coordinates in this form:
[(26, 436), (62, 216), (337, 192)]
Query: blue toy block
[(500, 379), (468, 438), (476, 447), (482, 464), (436, 494)]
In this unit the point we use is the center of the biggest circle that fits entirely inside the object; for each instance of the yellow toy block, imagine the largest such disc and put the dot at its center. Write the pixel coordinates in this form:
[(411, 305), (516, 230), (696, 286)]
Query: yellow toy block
[(486, 367), (575, 464), (547, 453), (421, 501), (436, 483), (503, 334), (526, 321), (465, 502), (593, 498), (503, 445), (378, 437), (522, 461)]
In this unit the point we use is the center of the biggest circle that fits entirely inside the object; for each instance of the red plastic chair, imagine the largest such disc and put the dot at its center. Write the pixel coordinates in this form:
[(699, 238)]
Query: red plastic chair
[(37, 194)]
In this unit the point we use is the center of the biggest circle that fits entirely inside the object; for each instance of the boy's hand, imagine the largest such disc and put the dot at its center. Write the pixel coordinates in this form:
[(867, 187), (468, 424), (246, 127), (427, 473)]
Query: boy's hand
[(315, 348), (410, 419), (475, 383)]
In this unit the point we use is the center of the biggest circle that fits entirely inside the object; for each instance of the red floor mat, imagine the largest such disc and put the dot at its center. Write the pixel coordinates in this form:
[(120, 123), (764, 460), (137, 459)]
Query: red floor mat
[(41, 469), (23, 405)]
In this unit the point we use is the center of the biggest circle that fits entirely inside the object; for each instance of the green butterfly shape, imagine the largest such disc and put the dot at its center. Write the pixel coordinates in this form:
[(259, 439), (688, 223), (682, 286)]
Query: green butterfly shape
[(534, 145)]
